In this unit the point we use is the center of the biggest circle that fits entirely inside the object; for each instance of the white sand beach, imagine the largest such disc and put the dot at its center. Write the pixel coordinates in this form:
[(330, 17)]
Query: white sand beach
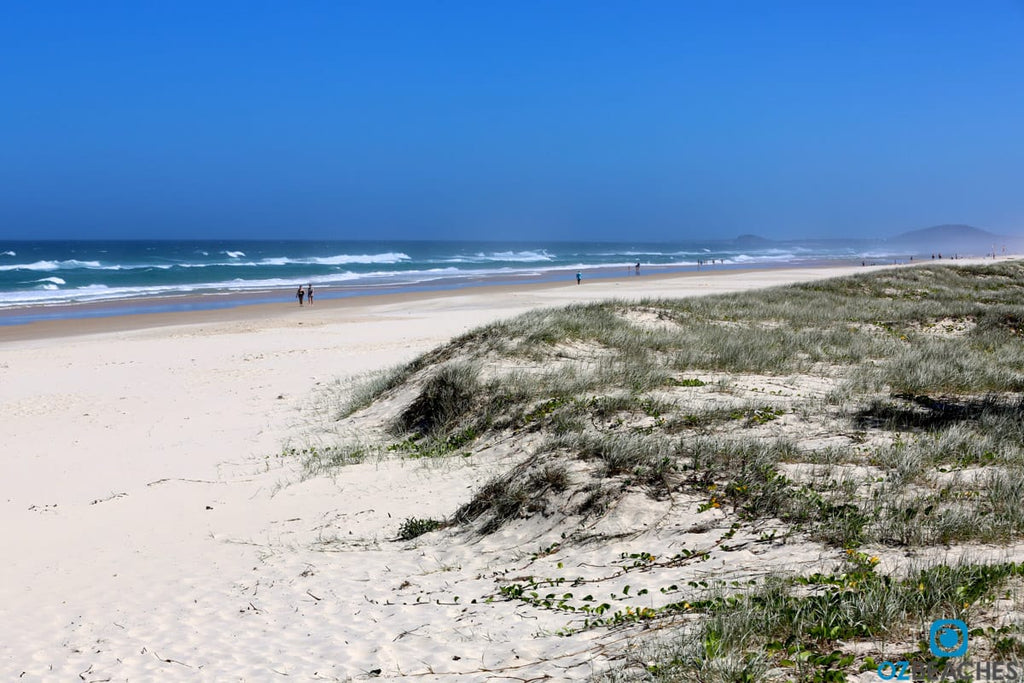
[(153, 530)]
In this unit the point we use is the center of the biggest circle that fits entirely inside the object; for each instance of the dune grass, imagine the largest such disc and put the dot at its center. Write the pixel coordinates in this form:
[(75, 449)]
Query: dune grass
[(927, 359), (881, 410)]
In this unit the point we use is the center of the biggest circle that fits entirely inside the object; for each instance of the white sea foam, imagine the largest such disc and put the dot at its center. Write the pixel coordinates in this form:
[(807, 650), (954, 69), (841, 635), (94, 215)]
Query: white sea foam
[(634, 255), (886, 254), (521, 256), (762, 258), (53, 280), (343, 259), (91, 265), (339, 260), (52, 265), (38, 265), (233, 254), (507, 256), (50, 294), (8, 253)]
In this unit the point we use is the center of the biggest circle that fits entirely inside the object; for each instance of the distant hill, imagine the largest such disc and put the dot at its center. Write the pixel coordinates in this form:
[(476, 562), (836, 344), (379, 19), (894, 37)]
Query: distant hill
[(944, 233), (964, 239)]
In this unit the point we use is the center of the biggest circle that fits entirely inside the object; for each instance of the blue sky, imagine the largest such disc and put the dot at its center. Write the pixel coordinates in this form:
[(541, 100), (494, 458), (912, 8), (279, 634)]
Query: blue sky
[(558, 120)]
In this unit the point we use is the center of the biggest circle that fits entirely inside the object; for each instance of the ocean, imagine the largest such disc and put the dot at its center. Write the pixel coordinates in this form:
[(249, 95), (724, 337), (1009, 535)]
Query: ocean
[(40, 279)]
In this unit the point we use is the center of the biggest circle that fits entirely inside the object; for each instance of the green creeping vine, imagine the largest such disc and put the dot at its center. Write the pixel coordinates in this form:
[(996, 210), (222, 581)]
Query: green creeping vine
[(800, 623)]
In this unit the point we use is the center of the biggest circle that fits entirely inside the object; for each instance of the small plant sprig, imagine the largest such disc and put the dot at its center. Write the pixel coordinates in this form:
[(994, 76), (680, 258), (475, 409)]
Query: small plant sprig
[(414, 527), (435, 448)]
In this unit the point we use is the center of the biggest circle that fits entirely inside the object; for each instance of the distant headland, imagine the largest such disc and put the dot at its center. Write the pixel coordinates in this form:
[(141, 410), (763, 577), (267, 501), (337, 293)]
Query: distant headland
[(966, 240)]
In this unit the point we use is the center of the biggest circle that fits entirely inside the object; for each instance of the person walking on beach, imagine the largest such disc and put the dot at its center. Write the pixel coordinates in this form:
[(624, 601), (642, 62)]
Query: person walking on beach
[(299, 294), (309, 293), (637, 267), (579, 277)]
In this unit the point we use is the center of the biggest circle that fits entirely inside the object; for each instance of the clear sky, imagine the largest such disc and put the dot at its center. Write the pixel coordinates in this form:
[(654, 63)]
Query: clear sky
[(561, 120)]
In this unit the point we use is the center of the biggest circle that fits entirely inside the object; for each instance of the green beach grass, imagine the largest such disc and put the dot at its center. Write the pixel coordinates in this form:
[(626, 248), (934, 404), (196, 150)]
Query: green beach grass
[(878, 418)]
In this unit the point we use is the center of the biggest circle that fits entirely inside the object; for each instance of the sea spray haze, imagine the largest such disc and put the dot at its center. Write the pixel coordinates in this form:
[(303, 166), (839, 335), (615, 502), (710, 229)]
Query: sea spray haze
[(59, 272)]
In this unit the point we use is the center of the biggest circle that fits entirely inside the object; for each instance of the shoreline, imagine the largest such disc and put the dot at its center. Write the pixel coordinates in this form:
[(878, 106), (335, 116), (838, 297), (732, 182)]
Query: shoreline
[(45, 279), (65, 320), (16, 315), (123, 316)]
